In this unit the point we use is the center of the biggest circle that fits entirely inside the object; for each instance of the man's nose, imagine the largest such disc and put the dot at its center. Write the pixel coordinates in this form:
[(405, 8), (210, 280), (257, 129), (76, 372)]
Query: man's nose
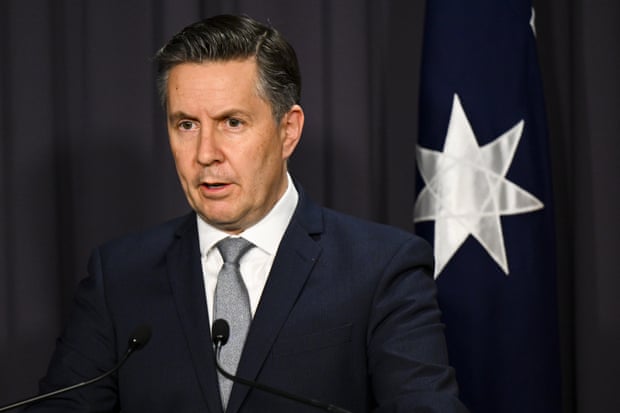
[(209, 150)]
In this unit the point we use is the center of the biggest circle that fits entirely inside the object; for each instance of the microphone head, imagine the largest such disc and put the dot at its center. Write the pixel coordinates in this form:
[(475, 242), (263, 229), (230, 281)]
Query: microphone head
[(220, 332), (139, 338)]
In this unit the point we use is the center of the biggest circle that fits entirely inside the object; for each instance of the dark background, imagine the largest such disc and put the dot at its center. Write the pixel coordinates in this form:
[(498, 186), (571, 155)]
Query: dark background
[(84, 156)]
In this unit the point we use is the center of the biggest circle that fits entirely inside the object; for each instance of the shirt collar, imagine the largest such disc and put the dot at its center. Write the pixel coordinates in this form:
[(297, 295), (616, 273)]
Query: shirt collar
[(266, 234)]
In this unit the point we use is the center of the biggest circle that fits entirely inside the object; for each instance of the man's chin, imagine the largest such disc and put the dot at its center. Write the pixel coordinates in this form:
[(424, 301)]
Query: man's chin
[(223, 223)]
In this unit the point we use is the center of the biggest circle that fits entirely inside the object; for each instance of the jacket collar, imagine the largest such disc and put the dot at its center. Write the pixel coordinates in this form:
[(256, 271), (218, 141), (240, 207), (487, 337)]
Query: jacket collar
[(295, 259)]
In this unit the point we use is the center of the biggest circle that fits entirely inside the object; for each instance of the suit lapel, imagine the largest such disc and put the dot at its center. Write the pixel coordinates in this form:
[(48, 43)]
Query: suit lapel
[(296, 257), (186, 280)]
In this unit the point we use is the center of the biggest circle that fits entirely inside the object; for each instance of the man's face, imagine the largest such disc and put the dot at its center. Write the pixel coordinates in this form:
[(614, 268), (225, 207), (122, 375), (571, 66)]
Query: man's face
[(229, 151)]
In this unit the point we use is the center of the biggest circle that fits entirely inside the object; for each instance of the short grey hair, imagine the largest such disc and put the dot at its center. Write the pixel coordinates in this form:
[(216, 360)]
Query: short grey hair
[(226, 37)]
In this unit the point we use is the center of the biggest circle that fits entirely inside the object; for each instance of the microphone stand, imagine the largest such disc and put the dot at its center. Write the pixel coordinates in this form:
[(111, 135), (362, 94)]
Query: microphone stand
[(220, 340), (138, 340)]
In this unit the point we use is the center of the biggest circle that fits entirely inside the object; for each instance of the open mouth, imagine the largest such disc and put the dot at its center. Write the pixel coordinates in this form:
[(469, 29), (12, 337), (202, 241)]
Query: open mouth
[(214, 185)]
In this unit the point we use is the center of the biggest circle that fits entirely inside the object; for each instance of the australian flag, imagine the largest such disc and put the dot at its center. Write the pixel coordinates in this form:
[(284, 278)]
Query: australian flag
[(485, 203)]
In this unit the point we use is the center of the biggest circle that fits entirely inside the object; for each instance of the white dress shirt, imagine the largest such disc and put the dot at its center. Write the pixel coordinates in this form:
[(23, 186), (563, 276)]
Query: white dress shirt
[(256, 264)]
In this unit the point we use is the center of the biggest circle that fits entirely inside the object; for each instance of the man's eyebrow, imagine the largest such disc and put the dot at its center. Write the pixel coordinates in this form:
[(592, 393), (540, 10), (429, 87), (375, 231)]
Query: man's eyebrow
[(232, 113), (179, 115)]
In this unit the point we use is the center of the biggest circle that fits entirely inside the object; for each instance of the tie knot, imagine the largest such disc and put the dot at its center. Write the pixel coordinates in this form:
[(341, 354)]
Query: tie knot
[(232, 249)]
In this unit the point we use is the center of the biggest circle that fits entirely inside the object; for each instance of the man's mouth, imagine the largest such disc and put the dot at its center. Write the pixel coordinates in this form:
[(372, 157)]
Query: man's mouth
[(214, 185)]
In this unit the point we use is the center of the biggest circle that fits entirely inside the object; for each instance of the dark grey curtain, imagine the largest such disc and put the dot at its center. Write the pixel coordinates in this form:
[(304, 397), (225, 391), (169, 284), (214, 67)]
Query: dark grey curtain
[(580, 58), (84, 157)]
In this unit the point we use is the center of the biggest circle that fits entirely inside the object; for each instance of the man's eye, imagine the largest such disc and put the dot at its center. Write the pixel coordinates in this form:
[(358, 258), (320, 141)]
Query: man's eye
[(186, 125), (233, 122)]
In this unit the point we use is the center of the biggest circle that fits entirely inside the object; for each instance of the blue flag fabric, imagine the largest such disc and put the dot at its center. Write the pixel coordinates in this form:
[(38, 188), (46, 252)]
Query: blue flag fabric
[(485, 203)]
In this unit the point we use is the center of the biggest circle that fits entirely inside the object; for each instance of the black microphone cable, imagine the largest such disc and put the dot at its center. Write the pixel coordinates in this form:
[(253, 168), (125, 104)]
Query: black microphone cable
[(137, 341), (220, 334)]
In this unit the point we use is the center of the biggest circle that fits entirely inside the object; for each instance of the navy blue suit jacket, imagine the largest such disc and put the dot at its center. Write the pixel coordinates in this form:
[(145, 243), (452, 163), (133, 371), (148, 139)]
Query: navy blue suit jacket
[(348, 316)]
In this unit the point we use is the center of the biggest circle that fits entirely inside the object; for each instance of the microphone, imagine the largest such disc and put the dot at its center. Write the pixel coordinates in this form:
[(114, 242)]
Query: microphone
[(220, 334), (137, 341)]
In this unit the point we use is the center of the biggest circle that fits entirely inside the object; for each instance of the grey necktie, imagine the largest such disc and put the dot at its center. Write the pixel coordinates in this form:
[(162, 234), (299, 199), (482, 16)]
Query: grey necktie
[(232, 304)]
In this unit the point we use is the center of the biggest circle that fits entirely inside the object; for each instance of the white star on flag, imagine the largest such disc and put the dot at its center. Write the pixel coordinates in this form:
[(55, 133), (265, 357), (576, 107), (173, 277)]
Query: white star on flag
[(533, 21), (467, 191)]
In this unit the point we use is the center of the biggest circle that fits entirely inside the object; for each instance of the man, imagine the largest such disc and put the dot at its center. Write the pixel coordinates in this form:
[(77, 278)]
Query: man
[(342, 311)]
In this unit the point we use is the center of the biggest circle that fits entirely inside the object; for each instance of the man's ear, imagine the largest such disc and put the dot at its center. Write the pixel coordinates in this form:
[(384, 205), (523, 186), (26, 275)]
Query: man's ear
[(292, 125)]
